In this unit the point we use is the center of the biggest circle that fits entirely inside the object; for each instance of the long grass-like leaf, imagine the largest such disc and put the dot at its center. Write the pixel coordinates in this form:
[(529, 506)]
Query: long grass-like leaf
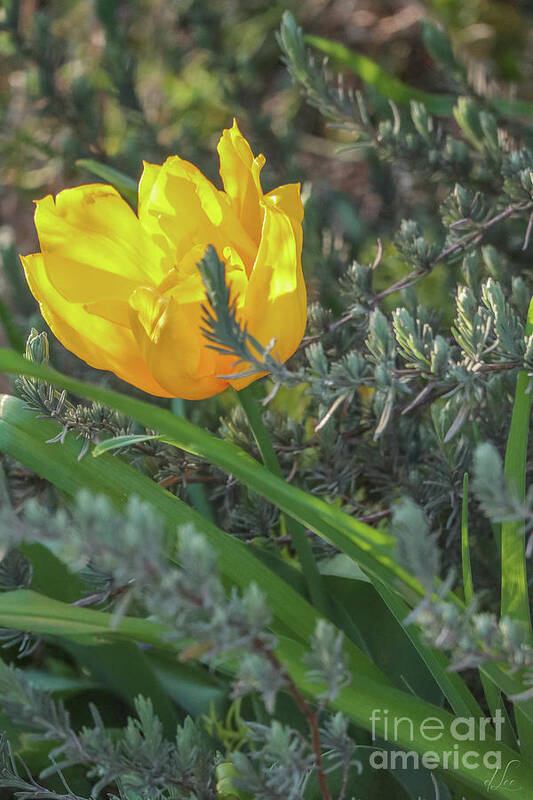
[(364, 702), (492, 692), (23, 436), (402, 93), (313, 512), (125, 185), (381, 80), (369, 547), (514, 580)]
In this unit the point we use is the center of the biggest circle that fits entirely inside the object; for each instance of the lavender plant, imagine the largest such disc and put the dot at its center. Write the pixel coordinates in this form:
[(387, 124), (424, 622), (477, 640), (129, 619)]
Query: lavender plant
[(261, 617)]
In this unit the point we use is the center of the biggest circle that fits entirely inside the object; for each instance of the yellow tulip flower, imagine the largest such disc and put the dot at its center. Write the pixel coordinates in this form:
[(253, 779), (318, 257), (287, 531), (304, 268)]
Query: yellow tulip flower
[(123, 292)]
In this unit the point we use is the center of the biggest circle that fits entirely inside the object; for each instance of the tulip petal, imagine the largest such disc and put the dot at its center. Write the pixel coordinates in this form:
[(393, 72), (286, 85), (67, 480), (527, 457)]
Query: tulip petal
[(276, 305), (287, 198), (96, 340), (149, 218), (169, 337), (124, 292), (239, 171), (94, 245), (149, 176), (115, 311), (180, 206), (83, 283)]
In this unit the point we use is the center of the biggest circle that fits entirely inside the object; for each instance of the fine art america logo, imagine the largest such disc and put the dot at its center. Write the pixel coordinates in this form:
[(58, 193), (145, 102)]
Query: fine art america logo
[(445, 748)]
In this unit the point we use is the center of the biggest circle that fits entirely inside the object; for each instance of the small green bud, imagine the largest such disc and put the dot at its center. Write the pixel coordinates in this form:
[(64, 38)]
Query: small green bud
[(37, 349)]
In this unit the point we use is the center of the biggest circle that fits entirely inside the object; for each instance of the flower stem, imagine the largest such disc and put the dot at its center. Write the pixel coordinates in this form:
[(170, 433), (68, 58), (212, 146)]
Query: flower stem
[(196, 491), (299, 540)]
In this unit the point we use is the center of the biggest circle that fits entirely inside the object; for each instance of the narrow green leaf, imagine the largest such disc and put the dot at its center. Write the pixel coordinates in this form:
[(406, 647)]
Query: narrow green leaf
[(493, 697), (492, 693), (23, 436), (468, 586), (300, 542), (514, 579), (512, 108), (195, 491), (29, 611), (514, 599), (50, 575), (117, 442), (116, 472), (367, 547), (190, 685), (125, 185), (402, 93), (370, 548), (59, 685), (123, 668), (362, 702), (380, 80), (452, 686)]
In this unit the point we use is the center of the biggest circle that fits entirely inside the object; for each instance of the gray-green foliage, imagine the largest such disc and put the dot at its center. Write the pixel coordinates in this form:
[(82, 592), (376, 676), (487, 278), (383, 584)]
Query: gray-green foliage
[(125, 551), (475, 638), (397, 397), (400, 395), (138, 760), (499, 500), (404, 386), (326, 660), (278, 768), (416, 548)]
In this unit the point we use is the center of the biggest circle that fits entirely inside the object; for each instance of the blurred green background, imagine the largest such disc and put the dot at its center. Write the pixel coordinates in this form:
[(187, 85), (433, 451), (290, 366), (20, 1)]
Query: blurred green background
[(120, 81)]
